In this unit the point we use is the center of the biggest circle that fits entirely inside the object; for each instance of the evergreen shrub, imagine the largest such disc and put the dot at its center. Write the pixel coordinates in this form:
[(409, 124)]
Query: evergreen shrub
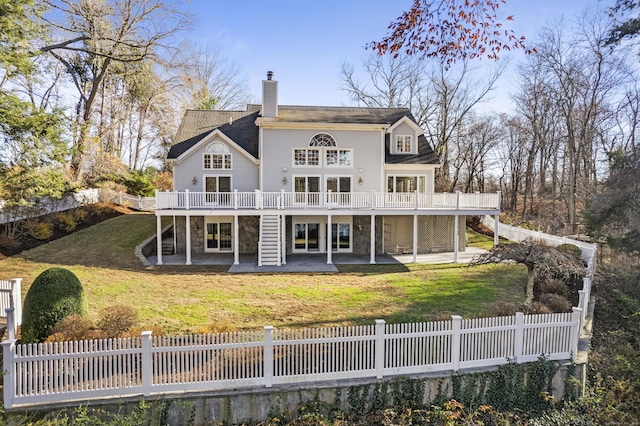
[(55, 294)]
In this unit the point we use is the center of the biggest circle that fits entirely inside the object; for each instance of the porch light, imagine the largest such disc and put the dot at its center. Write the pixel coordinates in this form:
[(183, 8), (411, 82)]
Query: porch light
[(360, 181), (284, 180), (194, 180)]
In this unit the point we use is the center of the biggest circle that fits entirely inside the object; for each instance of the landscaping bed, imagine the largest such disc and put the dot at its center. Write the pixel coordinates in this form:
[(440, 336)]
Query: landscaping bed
[(83, 217)]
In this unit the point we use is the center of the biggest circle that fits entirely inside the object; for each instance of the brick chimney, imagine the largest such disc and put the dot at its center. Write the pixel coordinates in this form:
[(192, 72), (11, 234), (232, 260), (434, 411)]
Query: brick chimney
[(269, 96)]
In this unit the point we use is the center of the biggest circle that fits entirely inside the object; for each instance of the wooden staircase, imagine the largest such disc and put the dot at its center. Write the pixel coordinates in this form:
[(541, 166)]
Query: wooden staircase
[(270, 243)]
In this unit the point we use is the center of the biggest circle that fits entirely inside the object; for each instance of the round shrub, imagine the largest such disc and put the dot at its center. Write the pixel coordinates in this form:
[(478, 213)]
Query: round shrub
[(117, 320), (55, 294), (555, 302)]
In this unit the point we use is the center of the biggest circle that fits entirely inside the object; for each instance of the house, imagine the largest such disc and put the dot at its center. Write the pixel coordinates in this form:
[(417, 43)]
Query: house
[(277, 179)]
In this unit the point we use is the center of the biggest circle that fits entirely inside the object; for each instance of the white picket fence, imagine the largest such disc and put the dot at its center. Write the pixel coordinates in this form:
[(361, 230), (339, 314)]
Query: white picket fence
[(150, 365), (131, 201), (11, 298)]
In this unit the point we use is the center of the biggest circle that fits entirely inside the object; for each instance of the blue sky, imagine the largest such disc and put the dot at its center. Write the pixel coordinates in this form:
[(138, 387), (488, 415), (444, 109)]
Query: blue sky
[(306, 42)]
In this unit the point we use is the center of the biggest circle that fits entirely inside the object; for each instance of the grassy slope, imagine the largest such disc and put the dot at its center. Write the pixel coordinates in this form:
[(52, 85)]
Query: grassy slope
[(183, 299)]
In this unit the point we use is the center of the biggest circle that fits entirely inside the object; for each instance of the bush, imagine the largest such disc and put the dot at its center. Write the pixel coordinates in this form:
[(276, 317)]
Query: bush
[(73, 327), (39, 230), (501, 309), (79, 215), (555, 286), (117, 320), (66, 221), (555, 302), (570, 249), (55, 294)]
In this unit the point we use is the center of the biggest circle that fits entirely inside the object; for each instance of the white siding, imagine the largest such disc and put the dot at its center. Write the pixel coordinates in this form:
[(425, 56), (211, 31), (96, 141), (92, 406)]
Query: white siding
[(244, 172), (403, 129), (277, 153)]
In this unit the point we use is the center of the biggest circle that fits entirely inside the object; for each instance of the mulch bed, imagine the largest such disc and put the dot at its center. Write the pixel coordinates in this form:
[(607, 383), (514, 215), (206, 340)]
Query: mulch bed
[(94, 214)]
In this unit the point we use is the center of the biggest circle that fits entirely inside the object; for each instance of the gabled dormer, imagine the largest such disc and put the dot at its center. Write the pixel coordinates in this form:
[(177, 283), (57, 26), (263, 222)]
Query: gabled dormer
[(403, 137)]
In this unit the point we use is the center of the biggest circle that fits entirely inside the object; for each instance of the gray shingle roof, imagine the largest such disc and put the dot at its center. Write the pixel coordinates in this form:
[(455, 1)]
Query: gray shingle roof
[(196, 124)]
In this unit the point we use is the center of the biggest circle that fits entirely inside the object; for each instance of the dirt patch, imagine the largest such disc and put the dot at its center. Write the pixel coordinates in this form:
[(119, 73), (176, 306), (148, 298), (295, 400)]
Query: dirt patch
[(84, 217)]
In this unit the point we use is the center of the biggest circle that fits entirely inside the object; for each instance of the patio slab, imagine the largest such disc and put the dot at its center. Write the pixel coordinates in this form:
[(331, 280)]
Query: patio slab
[(313, 262)]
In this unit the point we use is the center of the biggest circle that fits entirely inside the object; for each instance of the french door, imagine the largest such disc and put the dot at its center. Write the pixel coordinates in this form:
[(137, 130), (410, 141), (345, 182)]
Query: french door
[(307, 189), (306, 237), (218, 236), (311, 237), (217, 190)]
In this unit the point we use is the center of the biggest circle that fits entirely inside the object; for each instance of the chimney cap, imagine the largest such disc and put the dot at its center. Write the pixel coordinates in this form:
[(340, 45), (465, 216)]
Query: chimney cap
[(269, 75)]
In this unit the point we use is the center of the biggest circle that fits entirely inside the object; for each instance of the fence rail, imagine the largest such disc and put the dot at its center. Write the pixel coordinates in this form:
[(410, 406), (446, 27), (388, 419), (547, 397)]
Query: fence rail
[(326, 200), (147, 365)]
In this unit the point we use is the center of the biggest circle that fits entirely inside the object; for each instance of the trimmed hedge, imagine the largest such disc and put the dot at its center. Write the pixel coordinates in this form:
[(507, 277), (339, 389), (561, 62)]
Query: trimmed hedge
[(55, 294)]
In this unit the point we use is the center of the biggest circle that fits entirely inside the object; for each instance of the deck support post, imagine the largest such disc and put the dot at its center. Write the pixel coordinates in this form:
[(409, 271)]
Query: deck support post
[(159, 239), (329, 241), (496, 233), (283, 238), (236, 241), (188, 239), (372, 240), (415, 238)]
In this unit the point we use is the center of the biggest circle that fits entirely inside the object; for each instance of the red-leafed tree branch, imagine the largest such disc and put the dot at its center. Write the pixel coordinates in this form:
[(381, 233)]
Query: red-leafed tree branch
[(450, 30)]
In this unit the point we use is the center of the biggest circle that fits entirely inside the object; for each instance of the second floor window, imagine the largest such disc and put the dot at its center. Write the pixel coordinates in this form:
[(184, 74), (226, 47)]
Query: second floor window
[(217, 156), (306, 157), (338, 158), (404, 144)]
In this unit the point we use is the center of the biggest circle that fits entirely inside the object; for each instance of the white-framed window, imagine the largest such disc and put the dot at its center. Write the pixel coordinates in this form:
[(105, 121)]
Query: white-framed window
[(322, 139), (404, 144), (306, 157), (400, 183), (218, 235), (338, 157), (217, 156)]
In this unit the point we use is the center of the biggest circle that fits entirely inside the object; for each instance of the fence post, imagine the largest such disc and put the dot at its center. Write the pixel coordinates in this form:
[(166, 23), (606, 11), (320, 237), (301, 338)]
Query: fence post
[(8, 352), (186, 199), (581, 299), (575, 330), (11, 320), (146, 363), (455, 341), (282, 199), (380, 348), (373, 200), (519, 341), (16, 292), (268, 356)]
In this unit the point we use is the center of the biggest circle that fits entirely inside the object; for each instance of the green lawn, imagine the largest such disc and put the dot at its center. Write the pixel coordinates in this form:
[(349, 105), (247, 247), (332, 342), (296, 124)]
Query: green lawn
[(182, 299)]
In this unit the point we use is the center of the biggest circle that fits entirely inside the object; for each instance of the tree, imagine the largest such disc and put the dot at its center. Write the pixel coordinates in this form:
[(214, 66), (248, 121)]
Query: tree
[(614, 214), (440, 99), (542, 262), (92, 36), (207, 80), (450, 30)]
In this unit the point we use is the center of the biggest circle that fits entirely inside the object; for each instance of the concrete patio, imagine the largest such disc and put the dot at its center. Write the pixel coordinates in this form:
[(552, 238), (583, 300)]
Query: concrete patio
[(312, 262)]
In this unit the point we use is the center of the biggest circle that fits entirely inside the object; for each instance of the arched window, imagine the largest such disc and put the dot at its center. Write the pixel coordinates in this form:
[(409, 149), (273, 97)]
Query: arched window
[(217, 156), (322, 139)]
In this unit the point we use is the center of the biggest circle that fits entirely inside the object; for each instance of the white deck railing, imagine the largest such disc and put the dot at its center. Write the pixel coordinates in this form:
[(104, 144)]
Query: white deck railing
[(148, 365), (326, 200)]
